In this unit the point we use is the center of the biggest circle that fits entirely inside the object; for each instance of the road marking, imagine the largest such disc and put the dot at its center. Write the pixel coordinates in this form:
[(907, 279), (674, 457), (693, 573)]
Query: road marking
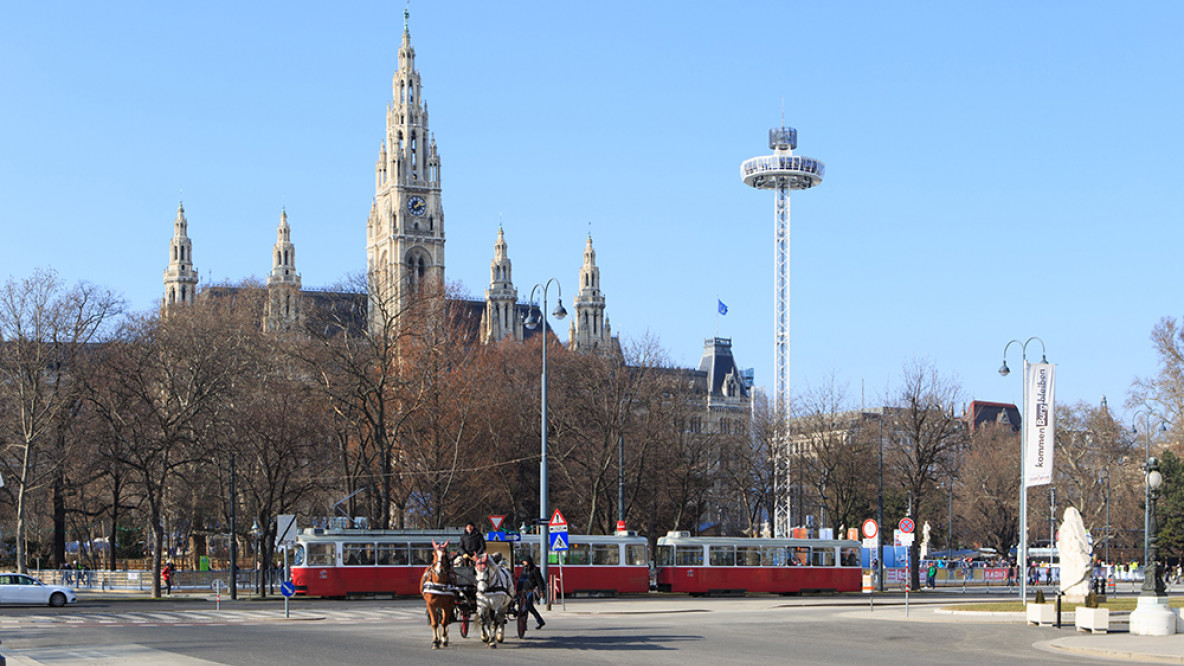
[(208, 617)]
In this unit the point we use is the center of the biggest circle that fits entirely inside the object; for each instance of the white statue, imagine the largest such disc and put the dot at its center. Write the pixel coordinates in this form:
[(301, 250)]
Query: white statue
[(925, 541), (1074, 551)]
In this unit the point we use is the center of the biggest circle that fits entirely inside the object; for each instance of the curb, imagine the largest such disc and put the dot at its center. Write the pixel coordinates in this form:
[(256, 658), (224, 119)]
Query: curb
[(1128, 655)]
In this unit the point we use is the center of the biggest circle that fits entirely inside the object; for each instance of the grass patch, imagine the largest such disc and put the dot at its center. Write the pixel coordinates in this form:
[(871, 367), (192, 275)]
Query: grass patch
[(1120, 604)]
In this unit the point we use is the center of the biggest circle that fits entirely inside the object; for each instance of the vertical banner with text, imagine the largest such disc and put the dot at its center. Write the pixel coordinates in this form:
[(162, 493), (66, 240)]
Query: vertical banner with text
[(1039, 425)]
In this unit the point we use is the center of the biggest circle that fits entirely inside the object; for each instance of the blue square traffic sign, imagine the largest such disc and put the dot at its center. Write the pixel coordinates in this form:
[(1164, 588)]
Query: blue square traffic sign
[(558, 541)]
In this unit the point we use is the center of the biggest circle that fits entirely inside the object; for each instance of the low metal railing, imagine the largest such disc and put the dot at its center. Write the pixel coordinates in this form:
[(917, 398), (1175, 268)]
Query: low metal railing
[(141, 581)]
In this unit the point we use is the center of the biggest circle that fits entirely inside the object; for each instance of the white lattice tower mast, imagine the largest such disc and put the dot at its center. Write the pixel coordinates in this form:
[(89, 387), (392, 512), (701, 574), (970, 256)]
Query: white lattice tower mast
[(782, 171)]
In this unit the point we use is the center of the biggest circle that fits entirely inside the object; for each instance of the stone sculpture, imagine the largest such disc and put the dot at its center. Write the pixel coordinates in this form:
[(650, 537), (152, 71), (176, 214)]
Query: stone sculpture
[(1074, 550)]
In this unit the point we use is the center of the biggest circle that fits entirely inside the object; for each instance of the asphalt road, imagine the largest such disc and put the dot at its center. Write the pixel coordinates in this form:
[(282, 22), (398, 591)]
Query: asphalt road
[(668, 631)]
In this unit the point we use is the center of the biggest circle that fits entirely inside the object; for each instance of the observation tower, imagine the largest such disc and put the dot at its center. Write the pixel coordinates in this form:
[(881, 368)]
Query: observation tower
[(782, 171)]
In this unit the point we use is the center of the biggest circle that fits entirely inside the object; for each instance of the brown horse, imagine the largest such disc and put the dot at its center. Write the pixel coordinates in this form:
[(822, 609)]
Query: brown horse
[(439, 591)]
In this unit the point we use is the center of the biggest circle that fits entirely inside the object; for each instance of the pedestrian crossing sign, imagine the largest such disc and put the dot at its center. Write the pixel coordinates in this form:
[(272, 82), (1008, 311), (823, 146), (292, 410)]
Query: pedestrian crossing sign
[(558, 541)]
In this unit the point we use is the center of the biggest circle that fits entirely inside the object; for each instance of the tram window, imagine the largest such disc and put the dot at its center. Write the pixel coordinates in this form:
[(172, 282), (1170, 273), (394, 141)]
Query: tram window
[(824, 557), (748, 556), (723, 556), (298, 557), (608, 553), (321, 554), (799, 556), (850, 557), (772, 556), (392, 553), (577, 553), (421, 553), (526, 549), (635, 555), (665, 556), (358, 554), (688, 556)]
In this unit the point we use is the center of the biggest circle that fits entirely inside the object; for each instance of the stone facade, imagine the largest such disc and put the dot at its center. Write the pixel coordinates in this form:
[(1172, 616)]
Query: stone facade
[(404, 240)]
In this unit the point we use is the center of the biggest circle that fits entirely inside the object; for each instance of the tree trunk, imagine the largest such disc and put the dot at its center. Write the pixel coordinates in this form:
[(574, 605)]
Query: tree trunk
[(21, 528), (59, 522)]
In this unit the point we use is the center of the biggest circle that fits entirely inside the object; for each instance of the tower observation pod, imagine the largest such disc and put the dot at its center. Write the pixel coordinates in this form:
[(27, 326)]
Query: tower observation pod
[(782, 171)]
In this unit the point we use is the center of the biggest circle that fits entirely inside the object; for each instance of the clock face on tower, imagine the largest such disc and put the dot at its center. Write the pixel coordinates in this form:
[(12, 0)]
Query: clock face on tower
[(416, 206)]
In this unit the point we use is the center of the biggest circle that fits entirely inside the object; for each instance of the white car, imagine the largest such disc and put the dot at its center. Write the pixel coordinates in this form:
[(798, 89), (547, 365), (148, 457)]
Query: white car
[(18, 588)]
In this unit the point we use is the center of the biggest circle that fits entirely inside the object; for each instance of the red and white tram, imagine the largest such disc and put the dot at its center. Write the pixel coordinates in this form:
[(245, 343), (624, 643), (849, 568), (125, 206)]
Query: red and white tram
[(355, 562), (596, 564), (706, 565)]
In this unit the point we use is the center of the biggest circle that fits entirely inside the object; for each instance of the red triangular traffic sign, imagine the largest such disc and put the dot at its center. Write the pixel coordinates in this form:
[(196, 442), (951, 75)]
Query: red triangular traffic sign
[(557, 520), (496, 521)]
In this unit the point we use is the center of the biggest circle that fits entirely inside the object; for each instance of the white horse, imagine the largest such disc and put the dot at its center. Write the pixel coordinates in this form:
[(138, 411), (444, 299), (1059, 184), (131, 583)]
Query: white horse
[(495, 589)]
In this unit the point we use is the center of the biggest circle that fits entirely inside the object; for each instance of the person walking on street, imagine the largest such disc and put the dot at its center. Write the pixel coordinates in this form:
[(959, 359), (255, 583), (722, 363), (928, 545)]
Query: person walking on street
[(531, 583), (166, 574)]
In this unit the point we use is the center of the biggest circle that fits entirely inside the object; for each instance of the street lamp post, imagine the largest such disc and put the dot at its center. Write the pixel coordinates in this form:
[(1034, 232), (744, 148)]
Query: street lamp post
[(1153, 578), (1052, 524), (880, 507), (1023, 545), (950, 525), (1152, 616), (532, 321), (1146, 469), (1107, 471), (255, 532)]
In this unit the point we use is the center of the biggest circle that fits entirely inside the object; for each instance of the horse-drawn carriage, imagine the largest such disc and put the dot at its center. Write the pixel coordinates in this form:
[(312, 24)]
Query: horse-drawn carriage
[(482, 591)]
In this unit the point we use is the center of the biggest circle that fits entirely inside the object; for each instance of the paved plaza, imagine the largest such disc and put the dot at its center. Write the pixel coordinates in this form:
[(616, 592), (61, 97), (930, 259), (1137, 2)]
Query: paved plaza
[(192, 629)]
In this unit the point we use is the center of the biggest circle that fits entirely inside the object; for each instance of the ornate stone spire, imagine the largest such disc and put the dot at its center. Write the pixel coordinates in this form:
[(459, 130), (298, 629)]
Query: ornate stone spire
[(589, 331), (180, 278), (284, 311), (500, 320)]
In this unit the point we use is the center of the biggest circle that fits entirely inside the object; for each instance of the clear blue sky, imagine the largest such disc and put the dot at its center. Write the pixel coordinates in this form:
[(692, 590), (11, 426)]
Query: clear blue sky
[(994, 170)]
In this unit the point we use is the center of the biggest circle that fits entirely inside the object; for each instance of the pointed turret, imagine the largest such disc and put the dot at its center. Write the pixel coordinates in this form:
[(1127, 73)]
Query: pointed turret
[(499, 321), (283, 283), (180, 278), (589, 331)]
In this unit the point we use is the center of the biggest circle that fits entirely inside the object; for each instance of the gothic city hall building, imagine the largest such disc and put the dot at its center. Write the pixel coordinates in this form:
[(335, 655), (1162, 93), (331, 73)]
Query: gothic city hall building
[(405, 236), (405, 240)]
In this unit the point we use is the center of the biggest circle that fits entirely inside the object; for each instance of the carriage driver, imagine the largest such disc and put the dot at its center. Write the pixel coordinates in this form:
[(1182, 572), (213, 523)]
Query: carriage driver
[(472, 544)]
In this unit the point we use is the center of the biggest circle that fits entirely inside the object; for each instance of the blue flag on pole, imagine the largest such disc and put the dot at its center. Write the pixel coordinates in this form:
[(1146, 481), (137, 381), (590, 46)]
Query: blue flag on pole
[(723, 309)]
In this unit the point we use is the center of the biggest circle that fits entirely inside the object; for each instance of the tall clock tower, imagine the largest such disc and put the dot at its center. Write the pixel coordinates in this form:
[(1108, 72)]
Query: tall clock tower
[(405, 232)]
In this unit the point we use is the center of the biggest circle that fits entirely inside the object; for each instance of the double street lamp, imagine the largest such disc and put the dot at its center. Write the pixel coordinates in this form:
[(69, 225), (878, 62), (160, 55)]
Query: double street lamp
[(1147, 475), (1153, 576), (532, 321), (1023, 545), (1152, 615)]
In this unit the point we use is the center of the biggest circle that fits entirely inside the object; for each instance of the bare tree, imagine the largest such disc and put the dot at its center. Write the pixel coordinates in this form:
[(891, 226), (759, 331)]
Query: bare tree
[(991, 481), (165, 380), (831, 452), (44, 326), (924, 433)]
